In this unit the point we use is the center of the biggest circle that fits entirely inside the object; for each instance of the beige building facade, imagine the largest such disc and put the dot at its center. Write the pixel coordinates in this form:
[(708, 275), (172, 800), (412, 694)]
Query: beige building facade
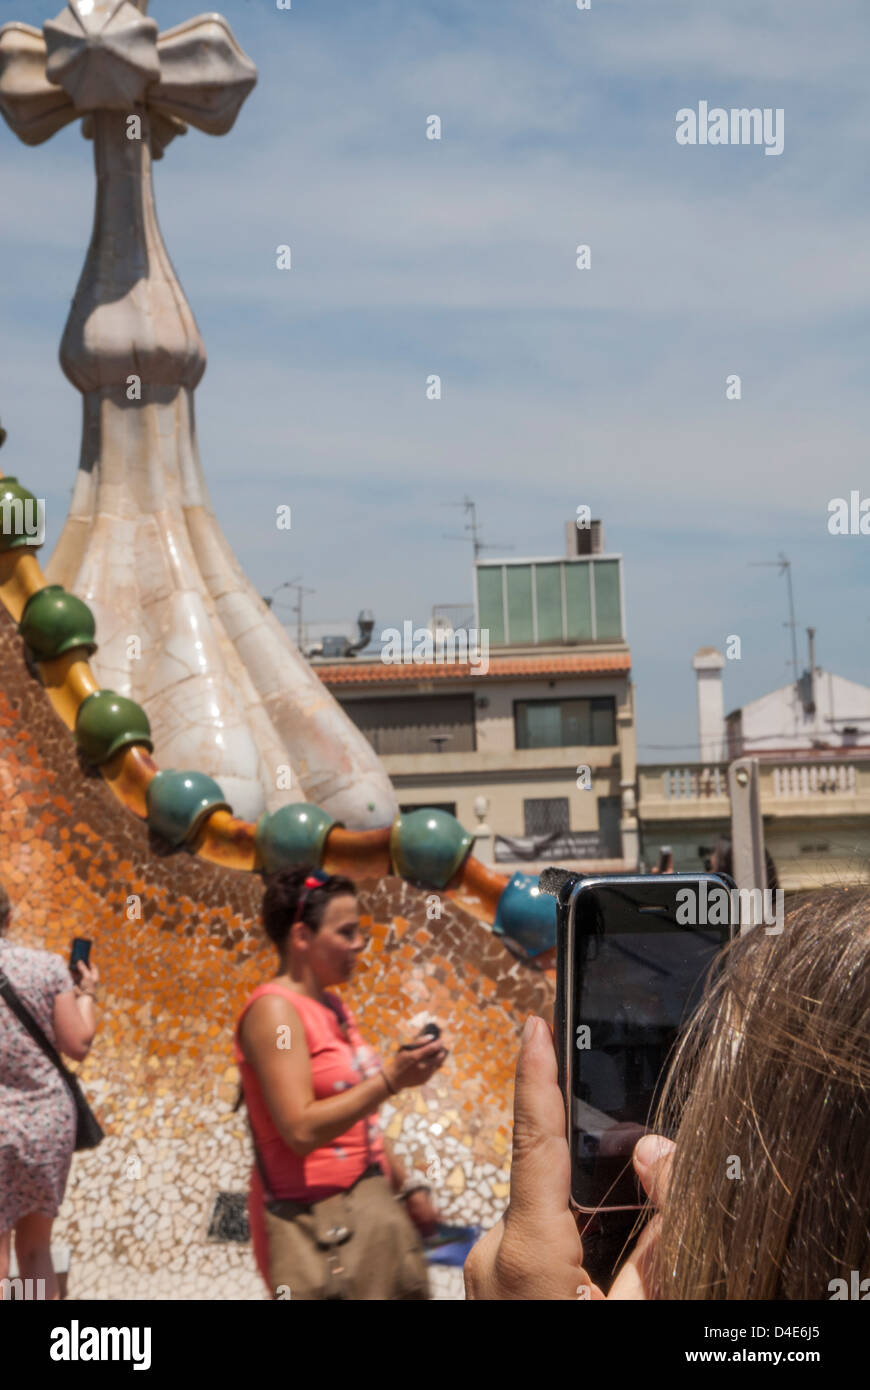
[(812, 743), (524, 729)]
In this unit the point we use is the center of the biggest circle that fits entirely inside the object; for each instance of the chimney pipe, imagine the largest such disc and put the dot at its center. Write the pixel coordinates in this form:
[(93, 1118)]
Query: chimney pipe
[(811, 705), (708, 664)]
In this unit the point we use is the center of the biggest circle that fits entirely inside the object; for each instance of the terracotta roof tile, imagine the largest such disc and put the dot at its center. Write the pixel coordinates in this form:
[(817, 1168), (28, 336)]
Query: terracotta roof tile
[(379, 673)]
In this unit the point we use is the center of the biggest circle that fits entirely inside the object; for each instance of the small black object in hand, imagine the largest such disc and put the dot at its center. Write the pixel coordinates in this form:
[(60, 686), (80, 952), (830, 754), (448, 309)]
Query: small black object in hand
[(427, 1034)]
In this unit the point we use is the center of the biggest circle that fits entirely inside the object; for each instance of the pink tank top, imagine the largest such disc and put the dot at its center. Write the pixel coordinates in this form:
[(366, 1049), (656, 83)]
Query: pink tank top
[(337, 1063)]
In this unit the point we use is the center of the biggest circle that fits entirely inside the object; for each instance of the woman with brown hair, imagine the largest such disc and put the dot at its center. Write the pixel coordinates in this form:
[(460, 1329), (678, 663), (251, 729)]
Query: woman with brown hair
[(333, 1214), (37, 1112), (762, 1188)]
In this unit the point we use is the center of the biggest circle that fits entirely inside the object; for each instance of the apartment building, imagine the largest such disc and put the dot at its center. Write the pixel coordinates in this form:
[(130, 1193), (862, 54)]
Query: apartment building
[(517, 717), (812, 741)]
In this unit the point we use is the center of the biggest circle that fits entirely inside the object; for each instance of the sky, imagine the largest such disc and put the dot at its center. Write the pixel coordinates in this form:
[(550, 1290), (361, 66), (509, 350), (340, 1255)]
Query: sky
[(561, 387)]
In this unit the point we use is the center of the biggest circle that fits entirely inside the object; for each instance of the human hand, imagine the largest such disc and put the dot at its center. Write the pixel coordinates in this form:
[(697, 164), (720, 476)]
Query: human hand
[(652, 1158), (535, 1251), (414, 1066), (423, 1212), (87, 977)]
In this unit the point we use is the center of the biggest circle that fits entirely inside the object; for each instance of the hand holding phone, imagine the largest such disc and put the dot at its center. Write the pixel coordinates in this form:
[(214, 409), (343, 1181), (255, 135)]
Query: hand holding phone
[(633, 953), (89, 978), (79, 954), (539, 1253)]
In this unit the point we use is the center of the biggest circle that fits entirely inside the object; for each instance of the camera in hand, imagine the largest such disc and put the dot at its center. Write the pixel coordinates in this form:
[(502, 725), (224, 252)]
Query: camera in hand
[(427, 1034)]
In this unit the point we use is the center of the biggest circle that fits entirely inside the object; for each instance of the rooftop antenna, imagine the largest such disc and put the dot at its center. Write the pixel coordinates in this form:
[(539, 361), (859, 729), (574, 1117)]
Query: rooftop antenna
[(472, 529), (297, 606), (784, 567)]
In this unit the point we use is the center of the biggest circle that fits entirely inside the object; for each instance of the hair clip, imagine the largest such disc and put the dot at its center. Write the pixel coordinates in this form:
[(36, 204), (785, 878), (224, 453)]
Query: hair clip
[(312, 881)]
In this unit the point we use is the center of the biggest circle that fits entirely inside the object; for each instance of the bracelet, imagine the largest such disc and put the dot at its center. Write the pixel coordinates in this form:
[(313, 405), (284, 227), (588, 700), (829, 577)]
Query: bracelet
[(387, 1080), (412, 1185), (88, 993)]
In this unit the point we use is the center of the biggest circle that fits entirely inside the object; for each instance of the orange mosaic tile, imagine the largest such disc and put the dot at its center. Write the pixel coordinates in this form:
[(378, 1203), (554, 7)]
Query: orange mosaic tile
[(179, 947)]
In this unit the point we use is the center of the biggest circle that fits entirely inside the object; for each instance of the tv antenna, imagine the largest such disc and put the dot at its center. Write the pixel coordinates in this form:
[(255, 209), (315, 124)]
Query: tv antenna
[(472, 528), (784, 566), (297, 606)]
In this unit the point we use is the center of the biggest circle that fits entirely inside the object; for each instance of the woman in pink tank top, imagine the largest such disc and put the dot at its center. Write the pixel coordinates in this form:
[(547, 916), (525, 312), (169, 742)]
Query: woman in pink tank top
[(313, 1087)]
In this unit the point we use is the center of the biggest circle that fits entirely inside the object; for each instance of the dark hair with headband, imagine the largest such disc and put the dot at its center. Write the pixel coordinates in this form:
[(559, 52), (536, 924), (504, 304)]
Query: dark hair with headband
[(299, 895)]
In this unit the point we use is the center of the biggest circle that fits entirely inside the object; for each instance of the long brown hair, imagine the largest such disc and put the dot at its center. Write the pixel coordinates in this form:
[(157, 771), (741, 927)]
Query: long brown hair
[(768, 1099)]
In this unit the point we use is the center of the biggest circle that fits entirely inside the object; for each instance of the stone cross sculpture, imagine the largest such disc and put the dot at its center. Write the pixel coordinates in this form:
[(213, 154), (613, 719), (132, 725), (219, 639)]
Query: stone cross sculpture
[(225, 689)]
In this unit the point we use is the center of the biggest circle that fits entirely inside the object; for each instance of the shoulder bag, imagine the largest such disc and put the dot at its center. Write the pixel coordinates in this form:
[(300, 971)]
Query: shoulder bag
[(89, 1133)]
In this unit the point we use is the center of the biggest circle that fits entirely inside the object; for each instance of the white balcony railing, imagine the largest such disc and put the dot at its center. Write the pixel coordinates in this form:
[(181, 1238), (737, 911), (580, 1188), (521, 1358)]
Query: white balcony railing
[(793, 781), (694, 783), (835, 779)]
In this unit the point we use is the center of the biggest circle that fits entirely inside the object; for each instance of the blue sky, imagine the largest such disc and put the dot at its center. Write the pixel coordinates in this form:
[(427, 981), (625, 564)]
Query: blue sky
[(413, 256)]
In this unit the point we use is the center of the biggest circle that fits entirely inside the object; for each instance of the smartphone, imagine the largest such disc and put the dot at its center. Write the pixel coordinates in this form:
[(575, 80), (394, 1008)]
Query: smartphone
[(427, 1034), (632, 956), (81, 951)]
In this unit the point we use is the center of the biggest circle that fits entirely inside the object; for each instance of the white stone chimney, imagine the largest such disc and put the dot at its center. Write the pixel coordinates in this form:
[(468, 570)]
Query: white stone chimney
[(708, 663)]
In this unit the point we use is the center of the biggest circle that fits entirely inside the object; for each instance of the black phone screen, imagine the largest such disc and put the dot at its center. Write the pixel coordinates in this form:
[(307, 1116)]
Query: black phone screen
[(638, 972), (81, 951)]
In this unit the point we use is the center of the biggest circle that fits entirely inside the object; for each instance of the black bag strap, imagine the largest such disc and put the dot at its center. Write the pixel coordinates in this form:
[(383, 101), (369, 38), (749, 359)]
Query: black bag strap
[(260, 1165), (339, 1008), (24, 1016)]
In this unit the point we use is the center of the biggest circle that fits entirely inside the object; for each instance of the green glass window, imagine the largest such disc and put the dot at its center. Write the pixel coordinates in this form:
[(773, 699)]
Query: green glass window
[(519, 602), (567, 601), (548, 591), (589, 722), (490, 603), (578, 599), (607, 609), (538, 724), (602, 718), (576, 721)]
